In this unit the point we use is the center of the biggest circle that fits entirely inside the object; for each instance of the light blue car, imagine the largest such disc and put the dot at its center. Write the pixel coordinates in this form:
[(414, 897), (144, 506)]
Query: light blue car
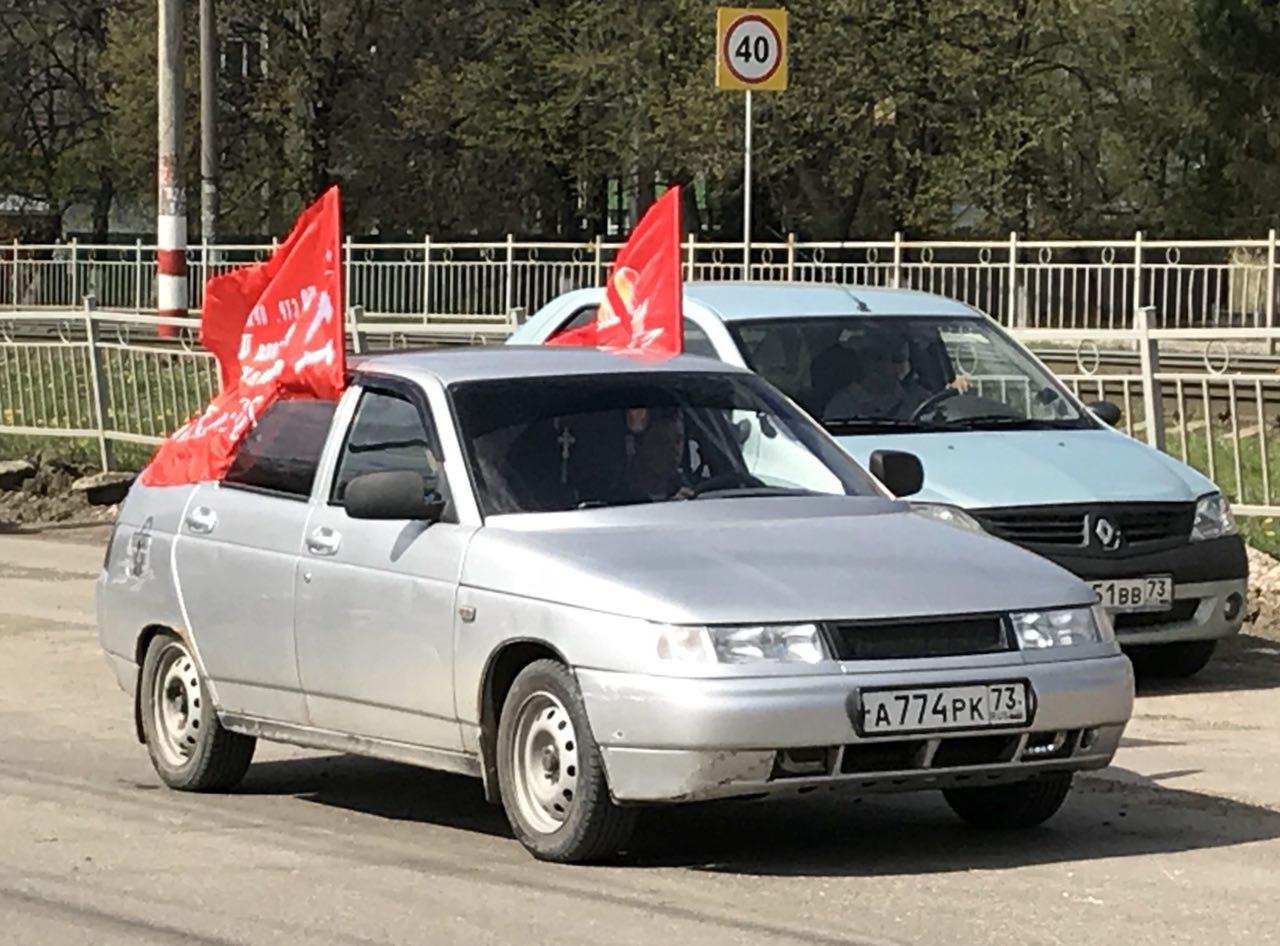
[(1006, 447)]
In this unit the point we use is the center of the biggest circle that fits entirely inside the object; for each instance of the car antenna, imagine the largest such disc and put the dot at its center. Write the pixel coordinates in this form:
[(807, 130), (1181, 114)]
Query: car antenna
[(862, 306)]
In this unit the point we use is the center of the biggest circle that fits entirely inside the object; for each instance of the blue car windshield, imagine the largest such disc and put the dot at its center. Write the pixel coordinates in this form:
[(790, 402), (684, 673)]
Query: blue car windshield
[(879, 373), (547, 444)]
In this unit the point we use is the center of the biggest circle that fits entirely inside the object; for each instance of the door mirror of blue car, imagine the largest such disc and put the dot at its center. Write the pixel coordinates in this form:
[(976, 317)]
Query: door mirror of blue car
[(394, 494), (902, 473), (1105, 411)]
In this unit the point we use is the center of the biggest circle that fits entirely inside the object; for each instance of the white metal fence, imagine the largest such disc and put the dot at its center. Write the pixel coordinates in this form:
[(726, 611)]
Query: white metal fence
[(1176, 334), (1087, 284)]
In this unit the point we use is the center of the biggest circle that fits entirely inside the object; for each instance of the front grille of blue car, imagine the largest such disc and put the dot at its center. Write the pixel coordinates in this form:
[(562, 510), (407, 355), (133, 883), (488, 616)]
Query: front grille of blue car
[(1140, 525), (920, 637)]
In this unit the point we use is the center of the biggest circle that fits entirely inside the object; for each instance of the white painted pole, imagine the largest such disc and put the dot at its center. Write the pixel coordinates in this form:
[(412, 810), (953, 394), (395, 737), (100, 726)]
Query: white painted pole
[(171, 217), (746, 192)]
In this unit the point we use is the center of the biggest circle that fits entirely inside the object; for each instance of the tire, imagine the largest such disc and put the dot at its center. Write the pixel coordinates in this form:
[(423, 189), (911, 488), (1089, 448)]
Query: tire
[(1173, 661), (1006, 807), (551, 773), (188, 746)]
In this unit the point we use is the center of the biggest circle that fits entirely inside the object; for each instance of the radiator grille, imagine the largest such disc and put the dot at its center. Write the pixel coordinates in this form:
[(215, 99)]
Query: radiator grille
[(925, 637), (1139, 524)]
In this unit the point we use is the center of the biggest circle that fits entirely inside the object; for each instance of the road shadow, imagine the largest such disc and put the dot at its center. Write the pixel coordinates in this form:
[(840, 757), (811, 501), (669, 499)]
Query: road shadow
[(832, 833), (383, 789), (1243, 662)]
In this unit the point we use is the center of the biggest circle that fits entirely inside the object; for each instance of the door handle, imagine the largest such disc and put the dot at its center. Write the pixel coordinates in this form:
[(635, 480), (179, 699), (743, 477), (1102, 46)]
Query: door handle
[(323, 541), (201, 520)]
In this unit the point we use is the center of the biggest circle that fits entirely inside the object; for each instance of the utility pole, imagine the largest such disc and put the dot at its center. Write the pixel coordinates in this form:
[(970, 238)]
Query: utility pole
[(171, 209), (208, 123)]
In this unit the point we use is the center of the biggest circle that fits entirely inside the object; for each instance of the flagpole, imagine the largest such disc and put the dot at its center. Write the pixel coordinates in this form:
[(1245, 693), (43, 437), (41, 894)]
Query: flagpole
[(746, 192)]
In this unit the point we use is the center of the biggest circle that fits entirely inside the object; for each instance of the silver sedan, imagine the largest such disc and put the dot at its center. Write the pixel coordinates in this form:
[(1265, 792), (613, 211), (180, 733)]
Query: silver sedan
[(598, 584)]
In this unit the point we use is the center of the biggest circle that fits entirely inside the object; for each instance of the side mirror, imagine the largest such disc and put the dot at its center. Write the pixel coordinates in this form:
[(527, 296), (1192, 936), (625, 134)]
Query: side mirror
[(396, 494), (901, 472), (1105, 411)]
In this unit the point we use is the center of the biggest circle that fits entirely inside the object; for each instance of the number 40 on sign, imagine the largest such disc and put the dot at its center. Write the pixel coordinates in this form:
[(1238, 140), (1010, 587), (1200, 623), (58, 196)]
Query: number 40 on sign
[(751, 49)]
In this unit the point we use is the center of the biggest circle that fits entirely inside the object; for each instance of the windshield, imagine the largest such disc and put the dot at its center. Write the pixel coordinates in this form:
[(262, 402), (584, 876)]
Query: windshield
[(858, 373), (581, 441)]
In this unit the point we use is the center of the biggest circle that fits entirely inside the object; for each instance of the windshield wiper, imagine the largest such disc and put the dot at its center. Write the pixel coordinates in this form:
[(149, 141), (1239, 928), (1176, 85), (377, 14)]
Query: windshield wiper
[(747, 492), (1005, 420), (835, 424)]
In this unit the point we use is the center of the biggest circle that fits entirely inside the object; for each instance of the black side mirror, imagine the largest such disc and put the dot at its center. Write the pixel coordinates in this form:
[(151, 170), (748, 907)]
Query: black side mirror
[(901, 472), (1106, 412), (396, 494)]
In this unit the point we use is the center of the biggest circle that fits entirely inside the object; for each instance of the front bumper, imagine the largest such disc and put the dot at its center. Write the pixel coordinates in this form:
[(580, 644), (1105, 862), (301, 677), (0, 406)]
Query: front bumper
[(668, 739), (1200, 613)]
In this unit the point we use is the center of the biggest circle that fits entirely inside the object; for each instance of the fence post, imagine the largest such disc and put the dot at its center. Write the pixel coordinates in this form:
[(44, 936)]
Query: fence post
[(346, 273), (137, 277), (426, 279), (1012, 321), (599, 264), (896, 278), (791, 257), (353, 326), (13, 285), (97, 384), (75, 269), (1271, 287), (1149, 357), (509, 298), (689, 264)]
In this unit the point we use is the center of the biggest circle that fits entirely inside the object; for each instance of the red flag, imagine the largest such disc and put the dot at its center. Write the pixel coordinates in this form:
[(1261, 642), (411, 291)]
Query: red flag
[(643, 308), (276, 328)]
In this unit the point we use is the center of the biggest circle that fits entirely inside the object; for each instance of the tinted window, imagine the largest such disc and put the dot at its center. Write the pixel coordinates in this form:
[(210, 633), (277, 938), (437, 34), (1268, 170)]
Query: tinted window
[(387, 434), (696, 341), (559, 443), (281, 453)]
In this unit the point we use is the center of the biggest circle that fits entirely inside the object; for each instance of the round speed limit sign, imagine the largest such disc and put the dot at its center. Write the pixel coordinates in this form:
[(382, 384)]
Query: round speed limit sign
[(752, 51)]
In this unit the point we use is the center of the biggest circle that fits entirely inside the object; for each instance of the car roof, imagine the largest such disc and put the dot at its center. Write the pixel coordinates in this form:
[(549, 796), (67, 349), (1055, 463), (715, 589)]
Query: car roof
[(742, 301), (498, 362)]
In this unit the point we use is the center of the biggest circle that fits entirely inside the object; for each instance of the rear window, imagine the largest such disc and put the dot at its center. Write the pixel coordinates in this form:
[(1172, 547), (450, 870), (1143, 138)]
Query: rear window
[(282, 453)]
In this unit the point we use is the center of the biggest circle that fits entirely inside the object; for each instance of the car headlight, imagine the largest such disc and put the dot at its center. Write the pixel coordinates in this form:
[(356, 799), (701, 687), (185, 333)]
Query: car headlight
[(1064, 627), (743, 644), (1213, 518), (951, 515)]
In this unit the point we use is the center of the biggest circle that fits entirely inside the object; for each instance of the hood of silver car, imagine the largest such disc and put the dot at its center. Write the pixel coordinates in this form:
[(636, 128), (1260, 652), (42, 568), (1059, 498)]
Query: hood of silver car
[(761, 560)]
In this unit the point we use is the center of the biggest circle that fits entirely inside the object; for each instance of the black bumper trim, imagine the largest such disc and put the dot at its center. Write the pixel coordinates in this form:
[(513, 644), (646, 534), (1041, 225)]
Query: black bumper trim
[(1213, 560)]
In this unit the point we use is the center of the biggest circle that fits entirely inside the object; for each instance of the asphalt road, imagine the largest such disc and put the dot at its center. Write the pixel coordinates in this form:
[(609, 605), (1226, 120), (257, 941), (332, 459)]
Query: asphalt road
[(1179, 842)]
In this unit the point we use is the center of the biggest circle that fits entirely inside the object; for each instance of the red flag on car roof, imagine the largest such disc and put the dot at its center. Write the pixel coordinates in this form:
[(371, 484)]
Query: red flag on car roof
[(276, 329), (643, 307)]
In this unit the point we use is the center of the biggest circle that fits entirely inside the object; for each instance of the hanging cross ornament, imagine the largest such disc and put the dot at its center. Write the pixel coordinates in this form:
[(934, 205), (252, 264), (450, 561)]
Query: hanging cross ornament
[(566, 441)]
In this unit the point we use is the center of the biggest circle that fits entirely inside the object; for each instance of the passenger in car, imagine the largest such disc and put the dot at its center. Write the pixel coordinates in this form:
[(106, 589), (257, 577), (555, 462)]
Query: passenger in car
[(654, 455)]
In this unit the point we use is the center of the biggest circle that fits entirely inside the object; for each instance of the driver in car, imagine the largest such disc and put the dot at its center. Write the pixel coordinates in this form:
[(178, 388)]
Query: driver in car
[(654, 446), (884, 385)]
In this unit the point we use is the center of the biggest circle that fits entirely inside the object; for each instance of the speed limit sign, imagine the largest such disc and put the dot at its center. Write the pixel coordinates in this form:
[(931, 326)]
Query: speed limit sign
[(751, 49)]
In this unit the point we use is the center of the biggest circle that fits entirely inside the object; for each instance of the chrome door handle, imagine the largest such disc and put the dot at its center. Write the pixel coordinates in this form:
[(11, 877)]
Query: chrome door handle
[(201, 520), (323, 541)]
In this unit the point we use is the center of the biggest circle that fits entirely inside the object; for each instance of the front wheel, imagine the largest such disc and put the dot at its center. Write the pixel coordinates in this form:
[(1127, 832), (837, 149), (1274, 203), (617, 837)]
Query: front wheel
[(189, 748), (550, 771), (1019, 805)]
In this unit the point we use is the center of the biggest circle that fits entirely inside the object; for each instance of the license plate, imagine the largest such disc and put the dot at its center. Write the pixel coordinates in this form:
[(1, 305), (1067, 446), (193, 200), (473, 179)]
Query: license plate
[(1152, 593), (928, 709)]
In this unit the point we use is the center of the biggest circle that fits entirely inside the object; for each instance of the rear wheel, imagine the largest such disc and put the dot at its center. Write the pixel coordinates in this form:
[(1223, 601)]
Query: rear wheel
[(1019, 805), (189, 748), (1181, 660), (551, 773)]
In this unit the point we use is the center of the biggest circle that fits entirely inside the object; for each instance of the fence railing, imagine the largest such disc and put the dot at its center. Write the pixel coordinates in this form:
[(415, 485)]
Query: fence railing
[(1024, 284), (111, 380)]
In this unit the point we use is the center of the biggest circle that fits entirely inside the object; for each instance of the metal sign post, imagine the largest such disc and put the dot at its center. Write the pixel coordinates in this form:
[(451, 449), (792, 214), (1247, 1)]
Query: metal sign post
[(751, 53)]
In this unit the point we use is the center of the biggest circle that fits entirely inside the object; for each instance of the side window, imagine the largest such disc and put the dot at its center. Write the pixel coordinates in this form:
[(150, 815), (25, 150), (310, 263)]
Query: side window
[(387, 434), (696, 341), (282, 452)]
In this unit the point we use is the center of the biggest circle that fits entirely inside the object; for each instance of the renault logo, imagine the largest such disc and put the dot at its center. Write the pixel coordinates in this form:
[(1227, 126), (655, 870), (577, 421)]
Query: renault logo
[(1108, 533)]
